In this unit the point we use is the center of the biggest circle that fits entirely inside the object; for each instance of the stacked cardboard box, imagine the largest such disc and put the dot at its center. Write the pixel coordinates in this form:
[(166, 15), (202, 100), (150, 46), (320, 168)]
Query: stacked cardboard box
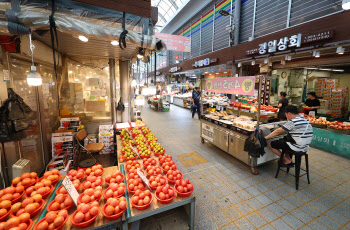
[(320, 84), (340, 100), (70, 123), (106, 136), (332, 83), (63, 146)]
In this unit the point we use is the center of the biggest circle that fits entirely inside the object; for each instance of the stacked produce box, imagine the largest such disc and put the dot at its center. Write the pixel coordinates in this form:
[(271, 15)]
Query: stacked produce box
[(320, 84), (106, 136)]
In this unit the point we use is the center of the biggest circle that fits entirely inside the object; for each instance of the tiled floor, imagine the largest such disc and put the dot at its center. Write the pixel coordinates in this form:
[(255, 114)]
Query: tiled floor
[(228, 196)]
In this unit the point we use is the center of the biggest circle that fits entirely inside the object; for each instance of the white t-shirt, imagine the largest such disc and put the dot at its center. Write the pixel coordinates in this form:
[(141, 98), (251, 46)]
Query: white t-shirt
[(301, 131)]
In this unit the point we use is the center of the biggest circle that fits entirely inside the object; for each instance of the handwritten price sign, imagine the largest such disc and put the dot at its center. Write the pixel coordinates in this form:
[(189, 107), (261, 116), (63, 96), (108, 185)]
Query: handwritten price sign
[(231, 85), (73, 193)]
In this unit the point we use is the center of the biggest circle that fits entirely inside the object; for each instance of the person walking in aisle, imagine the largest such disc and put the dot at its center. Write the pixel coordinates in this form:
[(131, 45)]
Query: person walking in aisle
[(196, 98)]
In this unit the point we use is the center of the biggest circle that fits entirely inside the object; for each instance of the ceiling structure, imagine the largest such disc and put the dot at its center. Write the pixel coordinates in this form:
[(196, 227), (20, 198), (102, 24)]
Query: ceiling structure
[(166, 10)]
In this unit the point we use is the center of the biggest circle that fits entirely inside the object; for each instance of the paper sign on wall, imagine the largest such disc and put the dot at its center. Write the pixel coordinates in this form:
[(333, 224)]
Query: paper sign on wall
[(73, 193), (6, 75)]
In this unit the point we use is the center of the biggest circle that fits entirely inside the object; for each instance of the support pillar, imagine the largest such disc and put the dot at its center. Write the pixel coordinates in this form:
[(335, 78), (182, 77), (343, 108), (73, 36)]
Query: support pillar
[(113, 90), (125, 89)]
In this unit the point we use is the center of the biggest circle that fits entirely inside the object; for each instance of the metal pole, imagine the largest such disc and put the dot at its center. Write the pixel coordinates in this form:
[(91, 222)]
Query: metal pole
[(259, 102), (253, 29), (289, 11), (124, 88), (155, 67), (230, 37), (212, 40), (113, 96), (191, 38), (237, 21)]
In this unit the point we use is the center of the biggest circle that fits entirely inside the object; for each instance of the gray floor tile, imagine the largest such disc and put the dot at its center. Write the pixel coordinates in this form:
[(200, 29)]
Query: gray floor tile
[(256, 220), (317, 225), (330, 223), (212, 207), (223, 202), (243, 223), (243, 184), (280, 225), (276, 209), (244, 195), (208, 186), (264, 199), (272, 195), (292, 221), (254, 203), (310, 210), (208, 224), (216, 194), (266, 227), (317, 204), (221, 219), (286, 205), (233, 198), (244, 208), (301, 215), (230, 226), (253, 191), (267, 214), (225, 190), (337, 216), (233, 213)]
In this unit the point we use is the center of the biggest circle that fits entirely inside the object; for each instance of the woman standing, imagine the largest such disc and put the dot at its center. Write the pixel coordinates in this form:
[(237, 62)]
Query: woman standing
[(282, 104), (312, 102)]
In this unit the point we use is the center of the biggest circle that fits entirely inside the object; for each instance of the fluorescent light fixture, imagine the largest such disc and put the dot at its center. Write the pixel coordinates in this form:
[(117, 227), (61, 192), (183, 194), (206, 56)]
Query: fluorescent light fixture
[(325, 69), (114, 42), (239, 64), (76, 79), (288, 57), (346, 4), (338, 70), (83, 38), (266, 60), (139, 56), (311, 68), (70, 71), (34, 78), (316, 54), (340, 50), (283, 62), (253, 62)]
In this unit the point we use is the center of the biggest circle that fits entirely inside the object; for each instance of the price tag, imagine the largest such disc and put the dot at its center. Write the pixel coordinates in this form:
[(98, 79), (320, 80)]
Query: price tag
[(142, 176), (263, 113), (135, 150), (324, 118), (312, 113), (73, 193), (235, 108), (346, 123), (301, 114)]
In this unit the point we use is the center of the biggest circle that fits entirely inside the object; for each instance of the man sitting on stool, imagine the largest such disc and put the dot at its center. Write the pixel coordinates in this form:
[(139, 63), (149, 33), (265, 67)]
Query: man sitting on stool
[(298, 138)]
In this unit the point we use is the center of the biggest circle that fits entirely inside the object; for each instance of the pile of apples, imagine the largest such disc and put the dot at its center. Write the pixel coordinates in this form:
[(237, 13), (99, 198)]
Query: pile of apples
[(52, 176), (136, 131), (11, 193), (95, 170), (116, 177), (26, 179), (165, 192), (86, 212), (89, 195), (115, 206), (165, 158), (183, 186), (28, 205), (145, 130), (115, 190), (156, 181), (133, 174), (52, 220), (136, 184), (42, 187), (172, 176), (76, 175), (169, 165), (132, 165), (153, 170), (149, 161), (141, 198), (62, 190), (150, 137), (16, 223), (61, 202), (92, 182), (157, 148)]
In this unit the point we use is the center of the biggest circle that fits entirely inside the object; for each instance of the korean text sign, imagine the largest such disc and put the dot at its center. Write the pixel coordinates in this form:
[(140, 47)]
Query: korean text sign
[(175, 43), (231, 85)]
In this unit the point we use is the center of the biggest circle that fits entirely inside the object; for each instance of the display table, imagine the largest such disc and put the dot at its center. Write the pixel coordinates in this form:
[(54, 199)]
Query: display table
[(179, 101), (331, 142), (156, 207)]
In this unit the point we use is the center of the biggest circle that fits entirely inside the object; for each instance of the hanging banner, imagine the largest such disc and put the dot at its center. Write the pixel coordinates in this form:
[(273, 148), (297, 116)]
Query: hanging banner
[(231, 85), (175, 43)]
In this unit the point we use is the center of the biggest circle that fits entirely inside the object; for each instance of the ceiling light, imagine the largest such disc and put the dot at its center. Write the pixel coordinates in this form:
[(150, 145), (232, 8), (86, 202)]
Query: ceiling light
[(114, 42), (316, 54), (288, 57), (283, 62), (133, 83), (239, 64), (70, 71), (140, 54), (338, 70), (311, 68), (340, 50), (34, 78), (266, 60), (83, 38), (253, 62), (76, 79), (346, 4), (325, 69)]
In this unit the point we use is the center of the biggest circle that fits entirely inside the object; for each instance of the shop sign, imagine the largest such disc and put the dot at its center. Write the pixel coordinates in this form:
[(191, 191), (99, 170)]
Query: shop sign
[(174, 42), (174, 69), (265, 90), (204, 62), (6, 75), (231, 85), (294, 41)]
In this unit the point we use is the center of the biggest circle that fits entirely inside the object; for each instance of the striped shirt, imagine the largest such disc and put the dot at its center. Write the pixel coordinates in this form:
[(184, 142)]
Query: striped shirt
[(301, 131)]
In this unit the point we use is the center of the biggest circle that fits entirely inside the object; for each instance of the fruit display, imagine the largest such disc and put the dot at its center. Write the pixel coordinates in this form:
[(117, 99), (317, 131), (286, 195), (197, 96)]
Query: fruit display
[(149, 161), (43, 187), (52, 175), (135, 184), (12, 194), (165, 194), (156, 181), (132, 165), (62, 190), (89, 195), (114, 190), (172, 176), (85, 214), (129, 142), (128, 153), (116, 177), (124, 134), (139, 123), (61, 202), (76, 175), (157, 148), (141, 199), (153, 170), (52, 220), (169, 165), (31, 205), (338, 125), (150, 137), (114, 208), (164, 158), (92, 182), (144, 151), (318, 121), (145, 130), (140, 139), (17, 223), (135, 132), (26, 179), (95, 170), (183, 188), (133, 174)]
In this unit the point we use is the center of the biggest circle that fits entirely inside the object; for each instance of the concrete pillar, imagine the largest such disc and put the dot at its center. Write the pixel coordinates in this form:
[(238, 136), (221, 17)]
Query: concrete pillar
[(125, 89), (113, 89)]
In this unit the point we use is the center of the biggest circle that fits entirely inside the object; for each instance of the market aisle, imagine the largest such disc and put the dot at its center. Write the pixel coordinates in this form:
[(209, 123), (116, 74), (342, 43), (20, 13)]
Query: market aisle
[(228, 196)]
